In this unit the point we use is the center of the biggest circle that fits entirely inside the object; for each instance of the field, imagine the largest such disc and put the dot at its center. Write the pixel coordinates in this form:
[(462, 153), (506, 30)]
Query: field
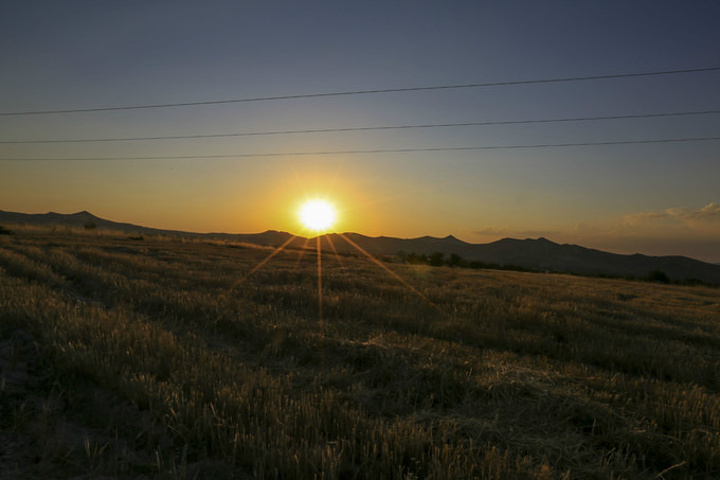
[(161, 358)]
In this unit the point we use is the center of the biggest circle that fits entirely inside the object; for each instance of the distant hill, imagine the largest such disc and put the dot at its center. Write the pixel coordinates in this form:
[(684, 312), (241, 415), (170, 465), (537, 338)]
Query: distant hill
[(74, 220), (540, 254), (80, 219)]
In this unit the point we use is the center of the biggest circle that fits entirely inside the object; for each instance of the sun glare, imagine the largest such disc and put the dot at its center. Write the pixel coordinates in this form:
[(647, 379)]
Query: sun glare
[(318, 215)]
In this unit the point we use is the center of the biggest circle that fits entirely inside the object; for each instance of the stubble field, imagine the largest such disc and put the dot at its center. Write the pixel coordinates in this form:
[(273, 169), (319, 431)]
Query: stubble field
[(153, 358)]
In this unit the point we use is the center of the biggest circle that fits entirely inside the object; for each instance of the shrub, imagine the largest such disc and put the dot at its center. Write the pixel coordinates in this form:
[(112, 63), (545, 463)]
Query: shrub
[(436, 259), (658, 276), (455, 260)]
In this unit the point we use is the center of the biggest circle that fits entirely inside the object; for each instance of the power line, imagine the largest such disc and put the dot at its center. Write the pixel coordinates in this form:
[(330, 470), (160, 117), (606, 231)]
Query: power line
[(362, 129), (364, 92), (374, 151)]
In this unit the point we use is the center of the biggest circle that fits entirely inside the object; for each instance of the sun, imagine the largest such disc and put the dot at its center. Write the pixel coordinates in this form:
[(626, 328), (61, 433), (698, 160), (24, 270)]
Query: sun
[(318, 215)]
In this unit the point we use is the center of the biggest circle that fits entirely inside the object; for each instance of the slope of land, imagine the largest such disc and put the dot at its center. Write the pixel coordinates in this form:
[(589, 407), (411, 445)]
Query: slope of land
[(537, 254), (179, 359)]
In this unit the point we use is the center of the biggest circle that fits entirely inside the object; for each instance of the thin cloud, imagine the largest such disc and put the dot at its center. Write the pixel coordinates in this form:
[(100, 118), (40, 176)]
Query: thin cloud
[(693, 232), (489, 232), (504, 232), (709, 212)]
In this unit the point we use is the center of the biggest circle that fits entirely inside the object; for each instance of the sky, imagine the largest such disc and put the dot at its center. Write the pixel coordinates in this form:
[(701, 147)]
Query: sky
[(652, 198)]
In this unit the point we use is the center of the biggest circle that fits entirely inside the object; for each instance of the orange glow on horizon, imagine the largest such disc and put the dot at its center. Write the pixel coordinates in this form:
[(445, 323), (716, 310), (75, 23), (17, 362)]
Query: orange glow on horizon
[(360, 205)]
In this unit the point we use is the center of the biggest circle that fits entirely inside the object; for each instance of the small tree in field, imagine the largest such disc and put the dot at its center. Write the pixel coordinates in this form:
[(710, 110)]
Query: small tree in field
[(436, 259), (455, 260), (658, 276)]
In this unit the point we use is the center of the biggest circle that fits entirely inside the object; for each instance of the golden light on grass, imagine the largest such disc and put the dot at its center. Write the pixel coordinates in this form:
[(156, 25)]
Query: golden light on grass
[(247, 382), (318, 215)]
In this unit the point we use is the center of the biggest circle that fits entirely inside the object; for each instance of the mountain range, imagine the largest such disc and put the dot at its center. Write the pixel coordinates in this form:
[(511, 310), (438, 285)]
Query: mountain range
[(536, 254)]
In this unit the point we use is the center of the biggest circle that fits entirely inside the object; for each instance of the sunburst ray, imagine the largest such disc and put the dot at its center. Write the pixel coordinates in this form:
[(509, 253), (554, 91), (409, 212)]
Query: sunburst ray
[(380, 264), (259, 265)]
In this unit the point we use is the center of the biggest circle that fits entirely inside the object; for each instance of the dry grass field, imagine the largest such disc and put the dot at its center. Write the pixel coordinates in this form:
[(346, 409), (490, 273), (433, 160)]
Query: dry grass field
[(152, 358)]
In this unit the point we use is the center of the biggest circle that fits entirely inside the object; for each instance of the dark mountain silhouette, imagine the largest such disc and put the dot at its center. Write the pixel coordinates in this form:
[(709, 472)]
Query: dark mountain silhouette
[(542, 254), (539, 254)]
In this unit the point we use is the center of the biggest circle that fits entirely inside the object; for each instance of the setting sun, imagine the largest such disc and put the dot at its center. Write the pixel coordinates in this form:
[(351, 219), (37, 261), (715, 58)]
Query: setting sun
[(317, 215)]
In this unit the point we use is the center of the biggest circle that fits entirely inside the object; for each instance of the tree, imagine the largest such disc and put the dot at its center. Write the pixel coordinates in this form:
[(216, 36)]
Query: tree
[(416, 259), (455, 260), (658, 276), (436, 259)]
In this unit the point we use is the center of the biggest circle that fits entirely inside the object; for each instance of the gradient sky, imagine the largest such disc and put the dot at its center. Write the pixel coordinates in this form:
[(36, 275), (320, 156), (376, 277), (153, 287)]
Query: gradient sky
[(657, 199)]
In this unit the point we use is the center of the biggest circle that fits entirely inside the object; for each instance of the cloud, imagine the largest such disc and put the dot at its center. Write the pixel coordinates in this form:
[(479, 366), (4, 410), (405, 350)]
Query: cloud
[(693, 232), (580, 230), (710, 212), (506, 232), (489, 232)]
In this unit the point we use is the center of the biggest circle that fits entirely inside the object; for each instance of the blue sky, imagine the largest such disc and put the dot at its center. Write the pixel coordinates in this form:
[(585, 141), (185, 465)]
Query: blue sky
[(655, 198)]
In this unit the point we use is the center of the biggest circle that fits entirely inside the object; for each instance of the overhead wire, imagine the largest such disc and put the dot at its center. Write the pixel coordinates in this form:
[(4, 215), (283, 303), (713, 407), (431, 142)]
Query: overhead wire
[(368, 128), (363, 92), (377, 151)]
